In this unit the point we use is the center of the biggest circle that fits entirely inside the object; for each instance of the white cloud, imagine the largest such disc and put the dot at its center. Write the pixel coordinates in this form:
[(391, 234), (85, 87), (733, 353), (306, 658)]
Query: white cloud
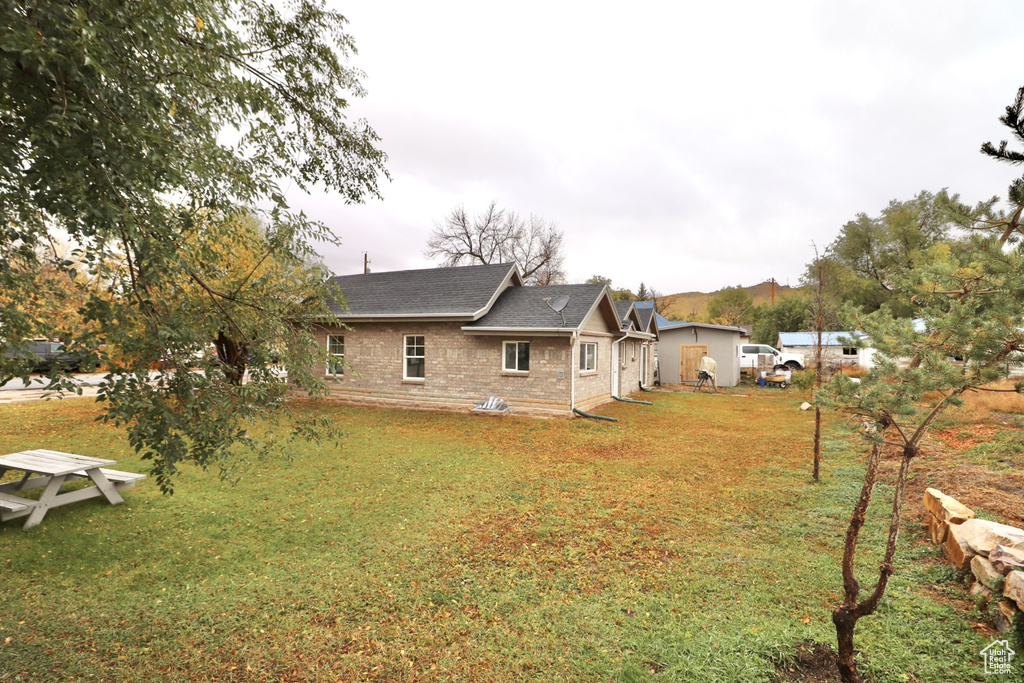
[(685, 145)]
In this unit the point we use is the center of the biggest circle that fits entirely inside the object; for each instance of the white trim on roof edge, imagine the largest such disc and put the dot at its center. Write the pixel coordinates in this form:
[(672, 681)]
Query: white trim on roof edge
[(544, 331), (605, 293), (500, 290)]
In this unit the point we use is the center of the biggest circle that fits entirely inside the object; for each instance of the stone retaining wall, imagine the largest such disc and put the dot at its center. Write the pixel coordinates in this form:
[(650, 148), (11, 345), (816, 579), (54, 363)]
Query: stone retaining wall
[(993, 553)]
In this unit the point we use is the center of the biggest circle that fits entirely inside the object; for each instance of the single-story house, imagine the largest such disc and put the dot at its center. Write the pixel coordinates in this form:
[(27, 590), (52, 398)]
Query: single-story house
[(836, 348), (450, 338), (681, 345)]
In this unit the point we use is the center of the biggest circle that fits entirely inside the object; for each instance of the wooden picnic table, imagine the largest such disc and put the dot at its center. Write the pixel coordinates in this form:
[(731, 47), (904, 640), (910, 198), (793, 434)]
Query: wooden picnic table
[(53, 469)]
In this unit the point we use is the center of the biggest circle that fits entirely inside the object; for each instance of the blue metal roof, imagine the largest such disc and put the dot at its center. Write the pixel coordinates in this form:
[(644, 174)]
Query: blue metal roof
[(811, 338), (662, 320)]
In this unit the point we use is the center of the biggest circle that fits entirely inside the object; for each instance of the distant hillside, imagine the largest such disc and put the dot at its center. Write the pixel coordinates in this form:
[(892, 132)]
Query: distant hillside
[(693, 305)]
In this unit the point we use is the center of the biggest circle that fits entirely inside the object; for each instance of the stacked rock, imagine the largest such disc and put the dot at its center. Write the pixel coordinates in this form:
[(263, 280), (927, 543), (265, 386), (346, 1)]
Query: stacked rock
[(992, 552)]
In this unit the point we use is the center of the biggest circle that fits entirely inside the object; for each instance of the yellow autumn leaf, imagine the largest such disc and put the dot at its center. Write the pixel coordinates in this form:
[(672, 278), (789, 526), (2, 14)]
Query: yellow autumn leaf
[(199, 24)]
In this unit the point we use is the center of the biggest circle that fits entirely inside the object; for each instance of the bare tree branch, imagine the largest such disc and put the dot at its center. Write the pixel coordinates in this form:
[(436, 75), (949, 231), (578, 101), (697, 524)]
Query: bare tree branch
[(499, 236)]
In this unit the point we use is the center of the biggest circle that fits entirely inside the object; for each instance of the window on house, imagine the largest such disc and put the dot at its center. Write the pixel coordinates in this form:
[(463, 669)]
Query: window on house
[(415, 357), (335, 354), (849, 351), (588, 357), (517, 356), (622, 353), (632, 350)]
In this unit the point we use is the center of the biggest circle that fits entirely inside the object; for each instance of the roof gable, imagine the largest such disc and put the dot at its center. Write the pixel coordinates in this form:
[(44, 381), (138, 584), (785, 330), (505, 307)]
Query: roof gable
[(463, 292), (628, 315), (647, 313), (526, 308)]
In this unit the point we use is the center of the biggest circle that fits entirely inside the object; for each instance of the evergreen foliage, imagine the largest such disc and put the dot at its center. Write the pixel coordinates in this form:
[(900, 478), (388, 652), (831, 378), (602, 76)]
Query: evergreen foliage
[(966, 301)]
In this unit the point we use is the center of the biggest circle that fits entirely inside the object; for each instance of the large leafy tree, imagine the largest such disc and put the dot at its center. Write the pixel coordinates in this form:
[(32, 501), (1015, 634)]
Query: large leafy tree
[(872, 252), (141, 132), (730, 306), (969, 299), (616, 294), (788, 314)]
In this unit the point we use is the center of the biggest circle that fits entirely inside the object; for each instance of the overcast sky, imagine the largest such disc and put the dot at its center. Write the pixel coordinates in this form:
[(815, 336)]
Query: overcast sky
[(686, 145)]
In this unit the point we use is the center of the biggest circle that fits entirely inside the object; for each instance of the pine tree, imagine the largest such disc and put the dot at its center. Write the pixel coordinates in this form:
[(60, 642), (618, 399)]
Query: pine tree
[(968, 303)]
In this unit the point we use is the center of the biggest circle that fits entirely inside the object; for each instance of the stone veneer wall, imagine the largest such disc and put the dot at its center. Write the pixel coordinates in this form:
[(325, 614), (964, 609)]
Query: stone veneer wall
[(461, 369)]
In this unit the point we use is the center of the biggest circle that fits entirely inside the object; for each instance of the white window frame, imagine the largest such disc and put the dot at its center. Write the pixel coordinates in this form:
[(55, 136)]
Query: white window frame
[(340, 372), (849, 351), (632, 350), (504, 357), (622, 353), (406, 357), (584, 357)]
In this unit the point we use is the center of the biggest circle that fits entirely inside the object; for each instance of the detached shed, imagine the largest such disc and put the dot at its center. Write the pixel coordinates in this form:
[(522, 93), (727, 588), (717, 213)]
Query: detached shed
[(681, 345)]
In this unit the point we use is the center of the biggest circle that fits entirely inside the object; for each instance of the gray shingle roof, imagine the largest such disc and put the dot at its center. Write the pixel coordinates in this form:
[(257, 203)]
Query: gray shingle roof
[(455, 292), (622, 309), (525, 308), (646, 311)]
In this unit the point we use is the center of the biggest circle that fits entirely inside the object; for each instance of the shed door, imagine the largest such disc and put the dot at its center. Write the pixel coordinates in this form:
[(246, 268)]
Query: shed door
[(689, 360)]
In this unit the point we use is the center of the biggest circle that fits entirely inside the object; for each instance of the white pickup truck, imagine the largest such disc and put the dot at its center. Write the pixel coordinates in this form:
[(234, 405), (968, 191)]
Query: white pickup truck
[(788, 361)]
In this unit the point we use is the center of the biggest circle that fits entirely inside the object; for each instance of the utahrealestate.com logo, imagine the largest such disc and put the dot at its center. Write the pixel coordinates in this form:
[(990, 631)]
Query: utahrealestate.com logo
[(997, 657)]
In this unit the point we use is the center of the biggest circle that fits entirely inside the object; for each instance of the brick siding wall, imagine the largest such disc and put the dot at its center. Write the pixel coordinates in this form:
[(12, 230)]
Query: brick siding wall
[(461, 369), (594, 388)]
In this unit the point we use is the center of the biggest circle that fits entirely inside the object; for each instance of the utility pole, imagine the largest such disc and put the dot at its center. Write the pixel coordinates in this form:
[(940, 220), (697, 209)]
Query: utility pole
[(366, 263), (771, 281)]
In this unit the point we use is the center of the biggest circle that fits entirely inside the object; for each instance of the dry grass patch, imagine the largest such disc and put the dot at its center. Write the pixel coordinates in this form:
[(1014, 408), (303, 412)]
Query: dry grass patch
[(981, 406)]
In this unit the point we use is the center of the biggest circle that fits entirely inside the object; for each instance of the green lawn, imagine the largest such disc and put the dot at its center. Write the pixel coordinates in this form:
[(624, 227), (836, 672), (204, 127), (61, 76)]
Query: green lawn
[(684, 543)]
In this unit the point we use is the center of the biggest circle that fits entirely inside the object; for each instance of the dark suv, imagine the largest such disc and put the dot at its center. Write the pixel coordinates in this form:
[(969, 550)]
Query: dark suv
[(46, 354)]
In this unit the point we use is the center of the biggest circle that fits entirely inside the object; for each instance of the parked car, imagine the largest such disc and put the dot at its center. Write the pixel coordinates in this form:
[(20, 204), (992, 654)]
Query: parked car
[(788, 361), (44, 355)]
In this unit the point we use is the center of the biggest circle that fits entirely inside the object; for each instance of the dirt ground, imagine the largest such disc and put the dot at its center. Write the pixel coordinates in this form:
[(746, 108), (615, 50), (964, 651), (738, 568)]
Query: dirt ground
[(941, 465), (815, 663)]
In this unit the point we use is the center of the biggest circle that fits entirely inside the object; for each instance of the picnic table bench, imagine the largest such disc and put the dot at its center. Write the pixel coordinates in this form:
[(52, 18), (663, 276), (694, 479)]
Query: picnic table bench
[(53, 469)]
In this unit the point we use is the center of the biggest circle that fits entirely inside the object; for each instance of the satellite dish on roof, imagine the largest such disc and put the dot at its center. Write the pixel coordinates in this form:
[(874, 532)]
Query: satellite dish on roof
[(558, 305)]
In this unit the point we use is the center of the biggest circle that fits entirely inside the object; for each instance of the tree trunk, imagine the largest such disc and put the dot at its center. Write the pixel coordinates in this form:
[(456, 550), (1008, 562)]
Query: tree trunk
[(845, 616), (819, 326), (817, 441), (234, 356), (845, 622)]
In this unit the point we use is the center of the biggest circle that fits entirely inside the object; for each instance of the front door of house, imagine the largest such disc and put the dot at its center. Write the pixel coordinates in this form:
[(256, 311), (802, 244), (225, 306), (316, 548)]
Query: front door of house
[(689, 360)]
